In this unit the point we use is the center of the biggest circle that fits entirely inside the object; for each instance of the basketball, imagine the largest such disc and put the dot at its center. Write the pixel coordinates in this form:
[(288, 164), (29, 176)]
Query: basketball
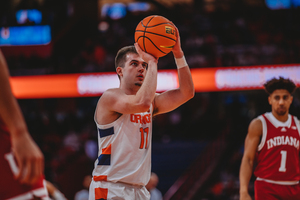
[(155, 35)]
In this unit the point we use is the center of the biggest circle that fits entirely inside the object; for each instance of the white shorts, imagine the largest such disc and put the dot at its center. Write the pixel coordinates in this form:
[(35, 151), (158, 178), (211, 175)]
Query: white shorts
[(105, 190)]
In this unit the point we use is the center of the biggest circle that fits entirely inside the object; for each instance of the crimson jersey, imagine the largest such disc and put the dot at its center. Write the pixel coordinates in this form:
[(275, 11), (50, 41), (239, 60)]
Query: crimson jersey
[(9, 186), (278, 151)]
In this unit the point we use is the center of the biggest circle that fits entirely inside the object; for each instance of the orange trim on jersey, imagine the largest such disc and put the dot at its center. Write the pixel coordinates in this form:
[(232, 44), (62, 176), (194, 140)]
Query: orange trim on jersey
[(101, 193), (107, 150), (100, 178)]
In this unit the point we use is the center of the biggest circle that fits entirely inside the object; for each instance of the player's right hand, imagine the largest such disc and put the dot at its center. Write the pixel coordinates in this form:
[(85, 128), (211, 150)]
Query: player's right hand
[(145, 56), (29, 158)]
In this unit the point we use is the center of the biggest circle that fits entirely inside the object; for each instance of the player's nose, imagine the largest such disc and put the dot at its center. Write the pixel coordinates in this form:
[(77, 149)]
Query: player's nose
[(141, 68), (281, 101)]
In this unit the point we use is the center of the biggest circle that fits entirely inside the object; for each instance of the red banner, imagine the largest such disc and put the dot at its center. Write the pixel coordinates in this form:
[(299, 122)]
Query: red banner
[(205, 80)]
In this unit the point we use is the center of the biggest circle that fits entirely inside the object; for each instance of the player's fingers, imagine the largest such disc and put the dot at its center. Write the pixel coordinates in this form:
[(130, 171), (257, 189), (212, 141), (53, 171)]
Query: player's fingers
[(18, 171), (39, 169), (35, 170), (25, 176), (177, 32), (138, 48)]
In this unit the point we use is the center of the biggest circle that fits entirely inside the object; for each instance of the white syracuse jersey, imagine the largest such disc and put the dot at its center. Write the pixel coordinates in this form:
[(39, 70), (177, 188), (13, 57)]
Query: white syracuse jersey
[(125, 149)]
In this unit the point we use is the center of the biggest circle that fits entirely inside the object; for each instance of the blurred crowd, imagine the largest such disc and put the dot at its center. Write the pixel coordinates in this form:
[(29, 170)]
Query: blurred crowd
[(234, 37), (64, 128)]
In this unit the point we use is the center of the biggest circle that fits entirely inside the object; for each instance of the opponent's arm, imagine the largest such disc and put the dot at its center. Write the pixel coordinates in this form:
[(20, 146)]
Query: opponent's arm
[(29, 157), (251, 143), (171, 99)]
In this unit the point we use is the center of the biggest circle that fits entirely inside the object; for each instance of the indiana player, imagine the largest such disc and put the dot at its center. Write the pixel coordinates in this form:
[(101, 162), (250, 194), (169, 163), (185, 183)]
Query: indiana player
[(273, 140), (124, 121), (21, 161)]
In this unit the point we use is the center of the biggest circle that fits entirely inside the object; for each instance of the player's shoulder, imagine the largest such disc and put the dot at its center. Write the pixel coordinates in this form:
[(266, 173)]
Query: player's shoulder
[(256, 122), (111, 93), (296, 119), (108, 97), (113, 90), (255, 126)]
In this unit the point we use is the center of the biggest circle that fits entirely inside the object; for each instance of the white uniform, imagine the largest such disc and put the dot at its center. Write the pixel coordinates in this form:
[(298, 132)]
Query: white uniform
[(124, 155)]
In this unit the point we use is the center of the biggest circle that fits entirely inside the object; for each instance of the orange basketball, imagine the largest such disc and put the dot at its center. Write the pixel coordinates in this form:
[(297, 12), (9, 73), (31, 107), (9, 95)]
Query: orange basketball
[(155, 35)]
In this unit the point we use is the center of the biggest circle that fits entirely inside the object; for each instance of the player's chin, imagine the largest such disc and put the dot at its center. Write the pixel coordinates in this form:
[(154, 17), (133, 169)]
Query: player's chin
[(138, 84), (281, 112)]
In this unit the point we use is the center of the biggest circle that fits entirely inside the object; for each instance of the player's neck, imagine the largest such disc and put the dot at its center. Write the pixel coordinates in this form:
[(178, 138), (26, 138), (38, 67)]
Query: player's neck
[(281, 118), (129, 90)]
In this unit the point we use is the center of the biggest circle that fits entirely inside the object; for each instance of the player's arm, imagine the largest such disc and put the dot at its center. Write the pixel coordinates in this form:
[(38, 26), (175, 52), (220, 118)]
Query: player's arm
[(29, 157), (171, 99), (116, 100), (251, 143)]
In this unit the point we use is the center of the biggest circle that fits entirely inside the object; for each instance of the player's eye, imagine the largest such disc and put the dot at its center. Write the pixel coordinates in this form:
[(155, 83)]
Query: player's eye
[(134, 64), (276, 98), (145, 65)]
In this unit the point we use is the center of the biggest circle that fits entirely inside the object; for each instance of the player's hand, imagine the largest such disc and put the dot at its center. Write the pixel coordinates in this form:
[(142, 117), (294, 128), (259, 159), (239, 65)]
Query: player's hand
[(245, 196), (177, 51), (29, 158), (145, 56)]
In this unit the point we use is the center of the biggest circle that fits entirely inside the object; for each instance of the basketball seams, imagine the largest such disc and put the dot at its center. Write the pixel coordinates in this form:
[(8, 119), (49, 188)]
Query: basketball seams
[(155, 34), (145, 33), (155, 45), (152, 26), (151, 42)]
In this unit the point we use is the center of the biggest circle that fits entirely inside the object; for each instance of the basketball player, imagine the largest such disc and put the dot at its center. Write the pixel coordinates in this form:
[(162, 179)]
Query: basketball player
[(21, 161), (273, 141), (124, 121)]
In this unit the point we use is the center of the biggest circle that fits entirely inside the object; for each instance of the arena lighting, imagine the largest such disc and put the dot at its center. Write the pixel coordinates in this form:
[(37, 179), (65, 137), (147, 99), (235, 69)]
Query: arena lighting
[(205, 80), (30, 15), (25, 35)]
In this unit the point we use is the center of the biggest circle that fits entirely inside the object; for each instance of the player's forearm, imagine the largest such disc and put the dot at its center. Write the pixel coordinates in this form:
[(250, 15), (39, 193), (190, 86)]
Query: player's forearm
[(245, 175), (186, 85), (9, 108), (146, 93)]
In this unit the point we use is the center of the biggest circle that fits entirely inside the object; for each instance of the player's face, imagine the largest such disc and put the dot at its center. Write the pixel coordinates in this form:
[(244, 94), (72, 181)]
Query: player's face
[(134, 70), (280, 100)]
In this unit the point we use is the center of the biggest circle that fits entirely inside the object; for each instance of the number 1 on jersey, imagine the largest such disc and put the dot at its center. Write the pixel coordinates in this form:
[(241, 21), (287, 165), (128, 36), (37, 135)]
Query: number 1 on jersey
[(283, 161), (143, 131)]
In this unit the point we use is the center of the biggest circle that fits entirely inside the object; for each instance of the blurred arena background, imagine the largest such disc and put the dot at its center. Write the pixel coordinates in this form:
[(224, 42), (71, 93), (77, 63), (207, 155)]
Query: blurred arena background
[(197, 148)]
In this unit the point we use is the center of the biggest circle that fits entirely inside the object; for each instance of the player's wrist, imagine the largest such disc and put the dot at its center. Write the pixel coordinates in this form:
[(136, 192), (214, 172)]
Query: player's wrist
[(177, 52), (244, 191), (152, 62), (181, 62)]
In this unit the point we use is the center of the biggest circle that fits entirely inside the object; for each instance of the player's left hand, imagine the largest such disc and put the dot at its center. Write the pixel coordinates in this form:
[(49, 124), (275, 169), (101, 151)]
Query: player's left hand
[(177, 51), (29, 158)]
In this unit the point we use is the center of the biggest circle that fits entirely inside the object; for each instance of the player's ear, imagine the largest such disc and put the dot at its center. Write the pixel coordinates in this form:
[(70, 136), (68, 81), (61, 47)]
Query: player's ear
[(269, 99), (119, 71), (291, 98)]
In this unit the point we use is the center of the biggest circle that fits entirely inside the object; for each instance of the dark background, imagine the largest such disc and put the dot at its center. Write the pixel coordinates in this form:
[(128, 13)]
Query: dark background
[(201, 142)]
